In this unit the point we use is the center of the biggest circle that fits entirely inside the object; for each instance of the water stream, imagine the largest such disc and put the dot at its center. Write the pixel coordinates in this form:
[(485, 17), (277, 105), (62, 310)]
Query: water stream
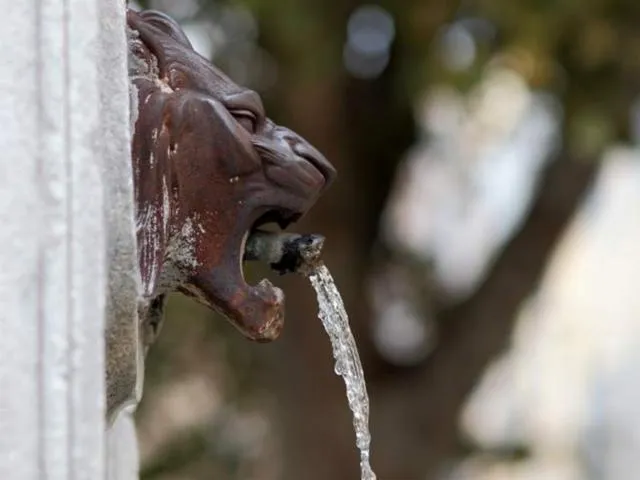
[(345, 352)]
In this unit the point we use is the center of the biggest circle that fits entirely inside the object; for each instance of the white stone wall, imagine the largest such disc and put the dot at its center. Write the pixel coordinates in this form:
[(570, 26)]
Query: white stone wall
[(64, 134)]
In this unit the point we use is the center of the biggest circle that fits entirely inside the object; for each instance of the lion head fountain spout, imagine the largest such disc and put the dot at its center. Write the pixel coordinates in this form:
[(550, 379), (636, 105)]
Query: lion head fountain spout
[(209, 168)]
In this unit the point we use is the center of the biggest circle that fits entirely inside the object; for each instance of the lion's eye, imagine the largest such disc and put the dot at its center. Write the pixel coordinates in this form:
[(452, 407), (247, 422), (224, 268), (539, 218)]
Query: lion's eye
[(247, 119)]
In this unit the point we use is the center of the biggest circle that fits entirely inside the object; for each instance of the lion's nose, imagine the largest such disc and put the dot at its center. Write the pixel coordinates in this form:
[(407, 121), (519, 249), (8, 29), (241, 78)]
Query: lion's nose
[(308, 152), (304, 149)]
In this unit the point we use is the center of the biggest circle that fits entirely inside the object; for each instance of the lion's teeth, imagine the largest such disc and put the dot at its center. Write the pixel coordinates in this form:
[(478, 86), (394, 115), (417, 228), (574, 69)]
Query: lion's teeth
[(243, 245)]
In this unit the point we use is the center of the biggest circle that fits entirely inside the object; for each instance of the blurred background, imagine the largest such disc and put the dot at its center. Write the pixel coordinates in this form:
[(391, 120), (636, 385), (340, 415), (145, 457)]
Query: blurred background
[(483, 231)]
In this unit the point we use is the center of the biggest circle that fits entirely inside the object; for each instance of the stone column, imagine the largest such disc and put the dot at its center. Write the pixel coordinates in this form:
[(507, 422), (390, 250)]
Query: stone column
[(64, 133)]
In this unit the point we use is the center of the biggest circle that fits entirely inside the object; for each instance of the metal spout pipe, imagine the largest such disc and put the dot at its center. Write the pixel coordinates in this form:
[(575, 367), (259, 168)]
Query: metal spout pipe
[(285, 252)]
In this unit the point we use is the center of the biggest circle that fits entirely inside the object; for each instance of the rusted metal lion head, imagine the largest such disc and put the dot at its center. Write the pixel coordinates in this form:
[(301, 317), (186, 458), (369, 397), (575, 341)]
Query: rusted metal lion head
[(209, 167)]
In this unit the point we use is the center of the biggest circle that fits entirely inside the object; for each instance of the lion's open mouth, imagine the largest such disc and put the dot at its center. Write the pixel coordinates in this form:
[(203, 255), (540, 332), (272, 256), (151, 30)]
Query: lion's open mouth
[(258, 310), (273, 221)]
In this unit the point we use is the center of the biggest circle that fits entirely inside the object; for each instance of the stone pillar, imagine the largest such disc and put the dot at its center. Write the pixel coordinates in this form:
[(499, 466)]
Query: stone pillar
[(65, 172)]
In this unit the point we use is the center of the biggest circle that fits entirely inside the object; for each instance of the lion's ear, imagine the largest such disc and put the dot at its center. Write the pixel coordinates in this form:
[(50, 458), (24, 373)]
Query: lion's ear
[(167, 25)]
